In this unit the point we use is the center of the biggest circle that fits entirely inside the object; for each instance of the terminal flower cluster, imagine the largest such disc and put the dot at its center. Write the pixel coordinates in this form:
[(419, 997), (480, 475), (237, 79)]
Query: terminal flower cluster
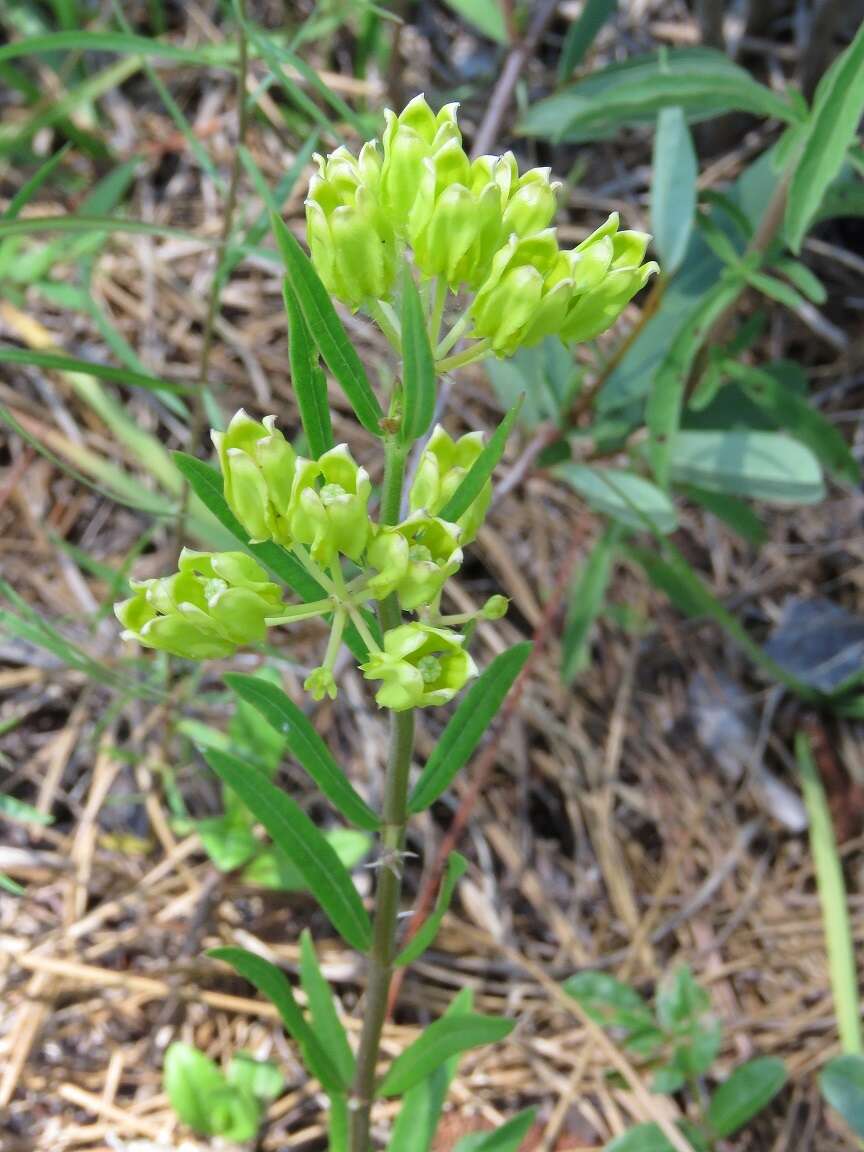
[(479, 226)]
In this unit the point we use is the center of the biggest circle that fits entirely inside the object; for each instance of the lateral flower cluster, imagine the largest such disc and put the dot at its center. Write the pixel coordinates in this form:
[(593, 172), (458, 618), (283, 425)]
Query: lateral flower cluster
[(318, 509), (479, 225)]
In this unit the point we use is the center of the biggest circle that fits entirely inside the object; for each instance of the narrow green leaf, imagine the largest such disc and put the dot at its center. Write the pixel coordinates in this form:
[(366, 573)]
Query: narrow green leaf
[(418, 365), (420, 1113), (585, 602), (310, 383), (294, 834), (842, 1084), (481, 469), (642, 1138), (799, 418), (21, 812), (582, 33), (663, 411), (322, 1011), (749, 1089), (338, 1119), (60, 363), (467, 726), (326, 329), (674, 170), (445, 1038), (275, 985), (486, 15), (457, 866), (280, 711), (30, 187), (628, 498), (831, 128), (831, 885), (507, 1138), (85, 41), (702, 81)]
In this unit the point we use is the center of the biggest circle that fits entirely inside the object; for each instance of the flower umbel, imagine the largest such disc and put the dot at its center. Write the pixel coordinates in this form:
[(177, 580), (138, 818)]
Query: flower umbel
[(414, 559), (214, 603), (328, 505), (419, 666), (442, 468), (258, 473)]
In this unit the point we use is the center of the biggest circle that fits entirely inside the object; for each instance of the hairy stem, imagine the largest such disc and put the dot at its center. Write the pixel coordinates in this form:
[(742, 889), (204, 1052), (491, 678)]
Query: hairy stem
[(392, 843)]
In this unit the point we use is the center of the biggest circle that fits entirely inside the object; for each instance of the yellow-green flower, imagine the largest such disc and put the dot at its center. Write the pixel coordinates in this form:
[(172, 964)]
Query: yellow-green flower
[(329, 505), (419, 666), (351, 238), (414, 559), (258, 474), (528, 202), (597, 301), (215, 602), (442, 468), (417, 134)]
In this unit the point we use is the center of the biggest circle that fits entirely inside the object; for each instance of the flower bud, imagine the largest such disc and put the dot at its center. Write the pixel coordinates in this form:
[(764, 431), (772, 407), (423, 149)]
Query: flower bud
[(442, 468), (320, 683), (419, 666), (258, 473), (495, 608), (607, 272), (329, 506), (525, 296), (410, 138), (215, 602), (351, 240), (414, 559)]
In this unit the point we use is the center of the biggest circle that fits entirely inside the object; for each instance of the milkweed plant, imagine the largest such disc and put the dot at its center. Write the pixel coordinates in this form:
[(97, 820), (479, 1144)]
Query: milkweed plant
[(454, 260)]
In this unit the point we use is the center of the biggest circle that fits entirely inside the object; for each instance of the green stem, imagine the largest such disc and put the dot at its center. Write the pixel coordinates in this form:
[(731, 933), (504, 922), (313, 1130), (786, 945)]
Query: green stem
[(394, 816), (832, 895), (475, 352), (385, 318), (301, 612), (453, 336)]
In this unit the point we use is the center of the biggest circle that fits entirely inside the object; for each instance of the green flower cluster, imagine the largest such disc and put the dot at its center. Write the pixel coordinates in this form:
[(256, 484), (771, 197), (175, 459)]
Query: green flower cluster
[(318, 509), (480, 225)]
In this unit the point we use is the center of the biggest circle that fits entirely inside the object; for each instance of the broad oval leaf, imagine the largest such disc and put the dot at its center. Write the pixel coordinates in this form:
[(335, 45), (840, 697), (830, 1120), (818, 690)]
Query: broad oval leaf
[(831, 128), (626, 497), (275, 985), (702, 81), (418, 365), (445, 1038), (309, 382), (842, 1084), (748, 1090), (294, 834), (326, 329), (457, 866), (507, 1138), (481, 469), (467, 725), (281, 713), (674, 170), (760, 465)]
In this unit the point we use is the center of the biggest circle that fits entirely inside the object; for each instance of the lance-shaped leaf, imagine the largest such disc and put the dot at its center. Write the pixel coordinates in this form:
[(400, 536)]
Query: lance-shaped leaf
[(673, 188), (281, 713), (310, 384), (326, 329), (441, 1040), (507, 1138), (274, 984), (322, 1010), (418, 365), (481, 469), (457, 866), (749, 1089), (420, 1113), (842, 1084), (294, 833), (467, 725)]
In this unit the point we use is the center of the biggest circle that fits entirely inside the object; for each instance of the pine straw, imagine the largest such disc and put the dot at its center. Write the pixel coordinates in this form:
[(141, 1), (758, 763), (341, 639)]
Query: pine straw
[(606, 837)]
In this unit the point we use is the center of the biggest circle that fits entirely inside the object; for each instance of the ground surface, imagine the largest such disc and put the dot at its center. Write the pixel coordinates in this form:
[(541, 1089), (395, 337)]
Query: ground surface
[(609, 833)]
